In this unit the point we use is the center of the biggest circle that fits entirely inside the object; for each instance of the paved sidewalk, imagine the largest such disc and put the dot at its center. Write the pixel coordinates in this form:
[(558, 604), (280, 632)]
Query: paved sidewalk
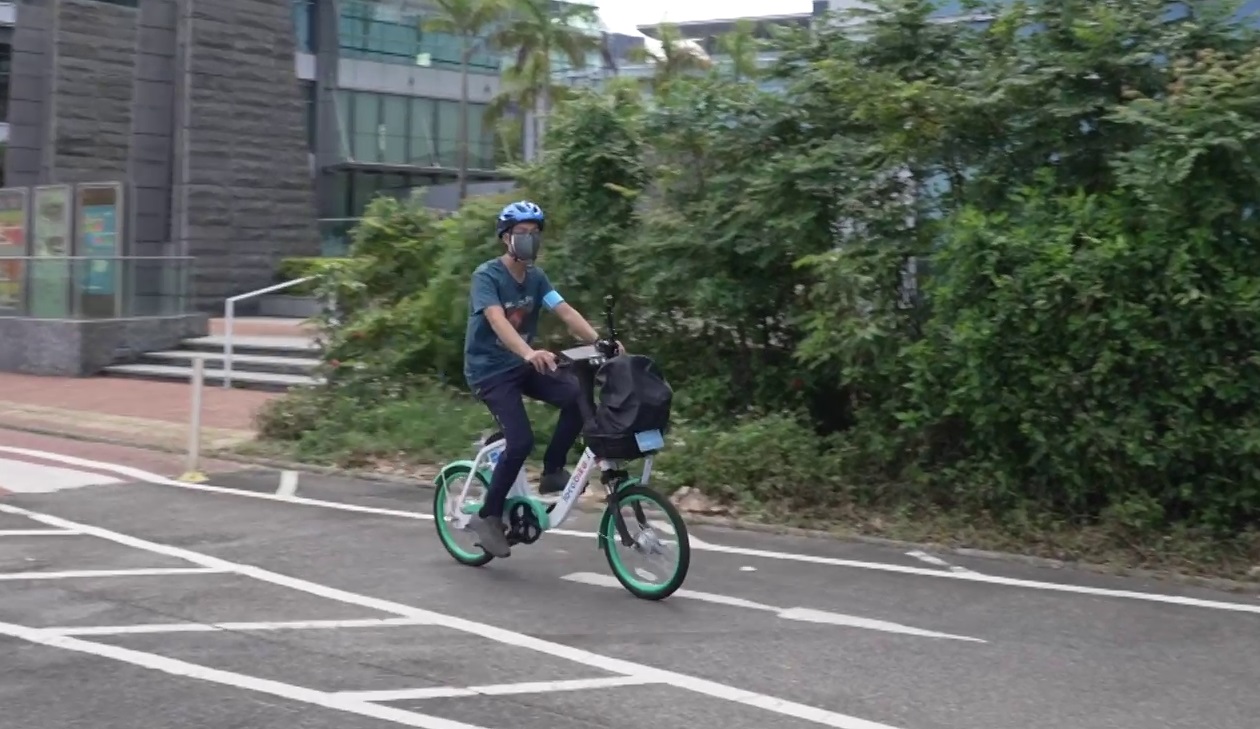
[(131, 411)]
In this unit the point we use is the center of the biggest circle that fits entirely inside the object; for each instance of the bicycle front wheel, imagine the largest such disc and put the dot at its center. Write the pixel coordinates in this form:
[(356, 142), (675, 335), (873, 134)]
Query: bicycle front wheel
[(654, 566)]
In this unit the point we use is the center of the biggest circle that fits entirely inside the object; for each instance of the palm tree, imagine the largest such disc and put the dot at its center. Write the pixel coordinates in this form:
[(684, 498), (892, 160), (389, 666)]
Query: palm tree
[(469, 20), (740, 45), (536, 31), (677, 56)]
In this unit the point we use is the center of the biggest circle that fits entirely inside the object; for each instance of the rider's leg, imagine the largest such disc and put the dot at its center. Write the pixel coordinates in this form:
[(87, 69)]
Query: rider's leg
[(559, 391), (503, 397)]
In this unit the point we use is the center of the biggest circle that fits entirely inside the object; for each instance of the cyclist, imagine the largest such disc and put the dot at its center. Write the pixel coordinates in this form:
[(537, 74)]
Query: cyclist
[(502, 367)]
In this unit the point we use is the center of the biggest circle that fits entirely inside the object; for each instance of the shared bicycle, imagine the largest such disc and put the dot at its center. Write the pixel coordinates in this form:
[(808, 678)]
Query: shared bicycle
[(662, 541)]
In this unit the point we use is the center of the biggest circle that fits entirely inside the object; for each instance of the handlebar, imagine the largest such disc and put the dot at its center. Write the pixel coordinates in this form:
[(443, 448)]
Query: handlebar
[(602, 349)]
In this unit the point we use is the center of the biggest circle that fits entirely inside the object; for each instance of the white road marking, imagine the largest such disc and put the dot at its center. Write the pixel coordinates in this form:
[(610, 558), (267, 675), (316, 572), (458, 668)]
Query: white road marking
[(808, 615), (227, 678), (23, 477), (72, 574), (139, 475), (502, 689), (747, 568), (669, 529), (237, 627), (37, 533), (288, 484), (932, 559), (483, 630)]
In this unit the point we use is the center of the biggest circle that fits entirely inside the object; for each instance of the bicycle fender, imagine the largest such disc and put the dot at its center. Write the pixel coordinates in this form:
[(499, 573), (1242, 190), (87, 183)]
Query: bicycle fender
[(457, 467)]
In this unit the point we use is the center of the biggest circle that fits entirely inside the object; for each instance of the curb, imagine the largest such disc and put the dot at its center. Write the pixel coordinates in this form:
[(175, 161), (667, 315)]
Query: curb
[(1223, 584)]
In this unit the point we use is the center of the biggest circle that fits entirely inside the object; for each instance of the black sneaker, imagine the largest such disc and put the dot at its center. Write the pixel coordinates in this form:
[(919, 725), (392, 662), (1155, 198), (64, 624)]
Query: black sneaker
[(554, 482), (490, 535)]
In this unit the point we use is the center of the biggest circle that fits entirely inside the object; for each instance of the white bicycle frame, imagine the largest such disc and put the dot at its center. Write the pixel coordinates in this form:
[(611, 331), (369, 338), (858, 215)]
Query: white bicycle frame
[(489, 455)]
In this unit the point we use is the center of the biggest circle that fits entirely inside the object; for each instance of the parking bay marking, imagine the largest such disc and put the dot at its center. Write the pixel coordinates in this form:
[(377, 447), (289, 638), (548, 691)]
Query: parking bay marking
[(808, 615), (139, 475), (683, 681)]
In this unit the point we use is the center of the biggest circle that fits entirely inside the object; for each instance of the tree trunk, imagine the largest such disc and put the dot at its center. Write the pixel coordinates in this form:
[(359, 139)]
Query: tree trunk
[(465, 59), (541, 109)]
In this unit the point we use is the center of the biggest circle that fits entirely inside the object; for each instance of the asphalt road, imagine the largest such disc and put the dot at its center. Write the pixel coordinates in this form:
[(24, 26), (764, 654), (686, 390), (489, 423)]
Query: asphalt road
[(126, 604)]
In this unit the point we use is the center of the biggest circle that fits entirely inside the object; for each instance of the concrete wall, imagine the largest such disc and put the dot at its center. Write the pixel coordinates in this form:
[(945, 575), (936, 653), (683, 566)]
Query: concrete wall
[(245, 184), (75, 348), (431, 83), (194, 105)]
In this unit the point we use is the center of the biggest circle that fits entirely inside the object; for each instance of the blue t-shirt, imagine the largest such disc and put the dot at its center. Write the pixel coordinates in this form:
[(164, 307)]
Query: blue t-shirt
[(492, 284)]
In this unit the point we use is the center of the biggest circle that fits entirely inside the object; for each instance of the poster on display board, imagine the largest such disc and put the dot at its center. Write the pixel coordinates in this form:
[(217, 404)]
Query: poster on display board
[(12, 247), (48, 281), (99, 238)]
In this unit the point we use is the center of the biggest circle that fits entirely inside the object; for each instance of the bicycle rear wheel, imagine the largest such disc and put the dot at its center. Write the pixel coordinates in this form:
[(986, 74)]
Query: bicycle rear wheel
[(460, 543), (662, 540)]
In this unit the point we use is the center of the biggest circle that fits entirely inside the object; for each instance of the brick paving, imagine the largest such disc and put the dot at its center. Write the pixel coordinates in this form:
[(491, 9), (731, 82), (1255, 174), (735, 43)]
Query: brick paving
[(139, 412), (163, 401), (164, 464)]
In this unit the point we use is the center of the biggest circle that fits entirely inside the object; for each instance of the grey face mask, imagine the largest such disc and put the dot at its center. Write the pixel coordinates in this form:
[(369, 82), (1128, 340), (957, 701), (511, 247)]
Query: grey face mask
[(525, 246)]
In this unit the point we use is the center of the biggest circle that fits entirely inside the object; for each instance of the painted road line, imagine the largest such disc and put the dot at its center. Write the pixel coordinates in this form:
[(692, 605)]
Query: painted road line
[(37, 533), (73, 574), (24, 477), (669, 529), (234, 627), (502, 689), (807, 615), (228, 678), (932, 559), (694, 684), (139, 475)]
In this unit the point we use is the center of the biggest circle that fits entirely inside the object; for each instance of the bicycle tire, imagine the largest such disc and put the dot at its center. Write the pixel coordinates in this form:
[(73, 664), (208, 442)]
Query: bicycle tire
[(612, 539), (444, 529)]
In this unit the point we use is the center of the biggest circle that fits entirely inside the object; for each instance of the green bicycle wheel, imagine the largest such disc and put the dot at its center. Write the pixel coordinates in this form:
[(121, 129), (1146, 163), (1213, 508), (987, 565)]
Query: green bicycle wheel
[(662, 581), (472, 556)]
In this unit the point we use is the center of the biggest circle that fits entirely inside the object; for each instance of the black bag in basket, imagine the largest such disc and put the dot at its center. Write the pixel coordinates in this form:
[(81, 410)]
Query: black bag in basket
[(633, 396)]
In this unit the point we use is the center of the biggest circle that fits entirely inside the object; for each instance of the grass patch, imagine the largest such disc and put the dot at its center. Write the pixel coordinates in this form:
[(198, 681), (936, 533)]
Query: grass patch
[(769, 469)]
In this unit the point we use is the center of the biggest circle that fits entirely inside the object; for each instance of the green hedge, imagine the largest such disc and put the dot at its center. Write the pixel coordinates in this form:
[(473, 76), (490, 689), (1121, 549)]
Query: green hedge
[(978, 271)]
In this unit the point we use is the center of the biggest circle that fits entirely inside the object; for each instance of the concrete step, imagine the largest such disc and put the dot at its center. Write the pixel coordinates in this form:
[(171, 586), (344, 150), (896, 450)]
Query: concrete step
[(214, 376), (241, 362), (272, 346)]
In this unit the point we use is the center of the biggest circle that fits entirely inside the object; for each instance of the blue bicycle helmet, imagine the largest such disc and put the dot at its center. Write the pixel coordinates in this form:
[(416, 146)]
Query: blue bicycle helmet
[(520, 212)]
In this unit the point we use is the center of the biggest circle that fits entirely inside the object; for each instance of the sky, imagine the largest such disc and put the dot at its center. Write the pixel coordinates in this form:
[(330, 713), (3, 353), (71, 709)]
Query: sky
[(622, 16)]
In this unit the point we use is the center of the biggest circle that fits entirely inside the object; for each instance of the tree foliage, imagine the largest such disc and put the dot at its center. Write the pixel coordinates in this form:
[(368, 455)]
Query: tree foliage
[(989, 266), (1011, 261)]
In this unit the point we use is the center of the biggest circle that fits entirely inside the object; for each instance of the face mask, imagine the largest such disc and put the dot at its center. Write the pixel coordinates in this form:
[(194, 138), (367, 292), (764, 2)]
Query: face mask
[(524, 246)]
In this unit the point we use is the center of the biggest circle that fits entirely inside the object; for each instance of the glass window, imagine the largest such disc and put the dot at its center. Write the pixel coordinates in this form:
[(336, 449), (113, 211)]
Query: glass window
[(365, 185), (423, 150), (308, 93), (480, 139), (365, 138), (394, 119), (407, 130), (304, 24), (448, 133), (6, 57), (380, 32), (343, 101)]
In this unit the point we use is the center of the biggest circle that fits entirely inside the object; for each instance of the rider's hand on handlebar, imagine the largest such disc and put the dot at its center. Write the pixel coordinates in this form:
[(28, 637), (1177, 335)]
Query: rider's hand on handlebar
[(542, 360)]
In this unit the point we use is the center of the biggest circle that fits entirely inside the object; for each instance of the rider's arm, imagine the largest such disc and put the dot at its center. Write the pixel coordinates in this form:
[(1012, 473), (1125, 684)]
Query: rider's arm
[(577, 324)]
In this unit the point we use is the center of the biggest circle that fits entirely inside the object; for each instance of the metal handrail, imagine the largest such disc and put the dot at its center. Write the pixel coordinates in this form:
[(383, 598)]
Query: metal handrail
[(229, 315)]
